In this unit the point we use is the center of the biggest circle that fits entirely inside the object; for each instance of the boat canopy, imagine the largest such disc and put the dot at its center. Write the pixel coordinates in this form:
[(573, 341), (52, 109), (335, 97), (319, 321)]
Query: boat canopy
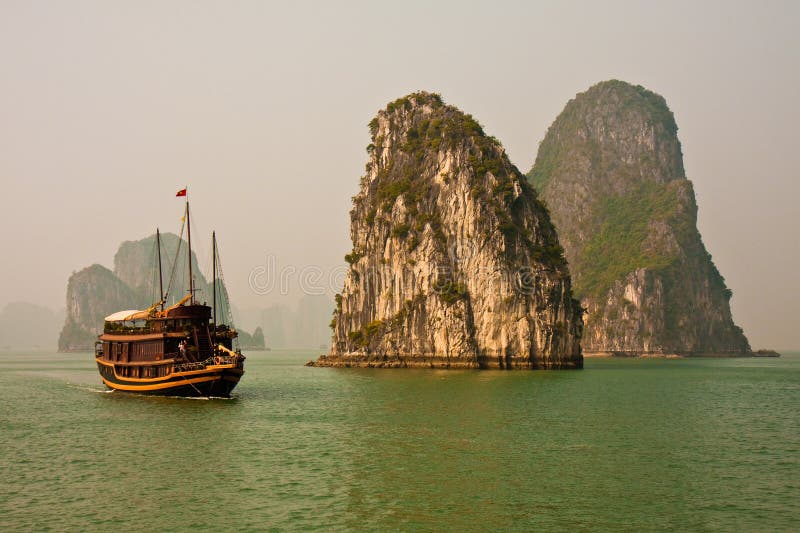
[(122, 316)]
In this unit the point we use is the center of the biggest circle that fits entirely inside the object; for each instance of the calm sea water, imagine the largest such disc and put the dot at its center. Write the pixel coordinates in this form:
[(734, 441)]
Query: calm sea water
[(708, 444)]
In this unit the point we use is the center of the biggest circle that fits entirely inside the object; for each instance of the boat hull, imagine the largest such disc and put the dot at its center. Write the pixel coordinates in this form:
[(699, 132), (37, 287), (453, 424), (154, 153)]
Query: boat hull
[(213, 380)]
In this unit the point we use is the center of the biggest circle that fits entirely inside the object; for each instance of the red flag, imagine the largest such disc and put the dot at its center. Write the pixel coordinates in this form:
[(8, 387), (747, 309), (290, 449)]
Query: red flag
[(181, 192)]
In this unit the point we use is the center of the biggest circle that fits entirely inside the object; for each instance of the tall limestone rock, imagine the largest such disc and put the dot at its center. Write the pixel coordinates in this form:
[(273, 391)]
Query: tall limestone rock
[(92, 294), (95, 292), (134, 265), (455, 262), (610, 170)]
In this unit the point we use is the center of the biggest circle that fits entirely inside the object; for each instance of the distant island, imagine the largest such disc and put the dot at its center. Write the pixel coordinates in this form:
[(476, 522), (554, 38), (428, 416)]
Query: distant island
[(300, 326), (26, 326), (251, 342)]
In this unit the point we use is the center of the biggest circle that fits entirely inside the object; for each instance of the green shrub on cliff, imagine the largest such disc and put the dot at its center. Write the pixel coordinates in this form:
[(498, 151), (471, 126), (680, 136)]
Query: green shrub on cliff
[(619, 245)]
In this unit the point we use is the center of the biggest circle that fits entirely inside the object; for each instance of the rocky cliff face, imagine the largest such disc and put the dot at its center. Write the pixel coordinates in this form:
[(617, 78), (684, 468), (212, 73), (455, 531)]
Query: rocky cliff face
[(134, 265), (610, 170), (454, 261), (95, 292), (92, 294)]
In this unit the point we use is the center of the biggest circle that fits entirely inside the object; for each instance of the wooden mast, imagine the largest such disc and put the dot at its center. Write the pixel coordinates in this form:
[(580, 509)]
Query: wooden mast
[(189, 235), (160, 275), (214, 280)]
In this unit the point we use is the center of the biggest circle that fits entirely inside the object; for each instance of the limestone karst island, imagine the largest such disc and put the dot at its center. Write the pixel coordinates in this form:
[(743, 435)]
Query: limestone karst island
[(455, 262), (610, 170)]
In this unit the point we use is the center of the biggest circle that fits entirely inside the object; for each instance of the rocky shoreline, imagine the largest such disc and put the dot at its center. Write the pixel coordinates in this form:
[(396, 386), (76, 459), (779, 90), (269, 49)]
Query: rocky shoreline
[(444, 363), (681, 355)]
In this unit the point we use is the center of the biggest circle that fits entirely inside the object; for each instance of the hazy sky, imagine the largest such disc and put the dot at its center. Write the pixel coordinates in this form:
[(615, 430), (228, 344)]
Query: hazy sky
[(107, 108)]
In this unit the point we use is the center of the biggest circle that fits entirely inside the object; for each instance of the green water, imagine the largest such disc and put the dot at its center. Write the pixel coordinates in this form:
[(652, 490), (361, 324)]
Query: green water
[(708, 444)]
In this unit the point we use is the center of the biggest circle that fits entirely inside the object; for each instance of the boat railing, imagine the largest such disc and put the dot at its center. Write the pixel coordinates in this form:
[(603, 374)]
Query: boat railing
[(213, 360), (186, 367)]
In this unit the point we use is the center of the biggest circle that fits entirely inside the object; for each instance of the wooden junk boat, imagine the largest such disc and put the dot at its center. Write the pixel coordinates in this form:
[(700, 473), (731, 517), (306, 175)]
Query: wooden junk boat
[(178, 350)]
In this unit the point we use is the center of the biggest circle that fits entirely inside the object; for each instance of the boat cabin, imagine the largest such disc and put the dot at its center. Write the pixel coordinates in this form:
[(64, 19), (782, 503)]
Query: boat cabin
[(145, 343)]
